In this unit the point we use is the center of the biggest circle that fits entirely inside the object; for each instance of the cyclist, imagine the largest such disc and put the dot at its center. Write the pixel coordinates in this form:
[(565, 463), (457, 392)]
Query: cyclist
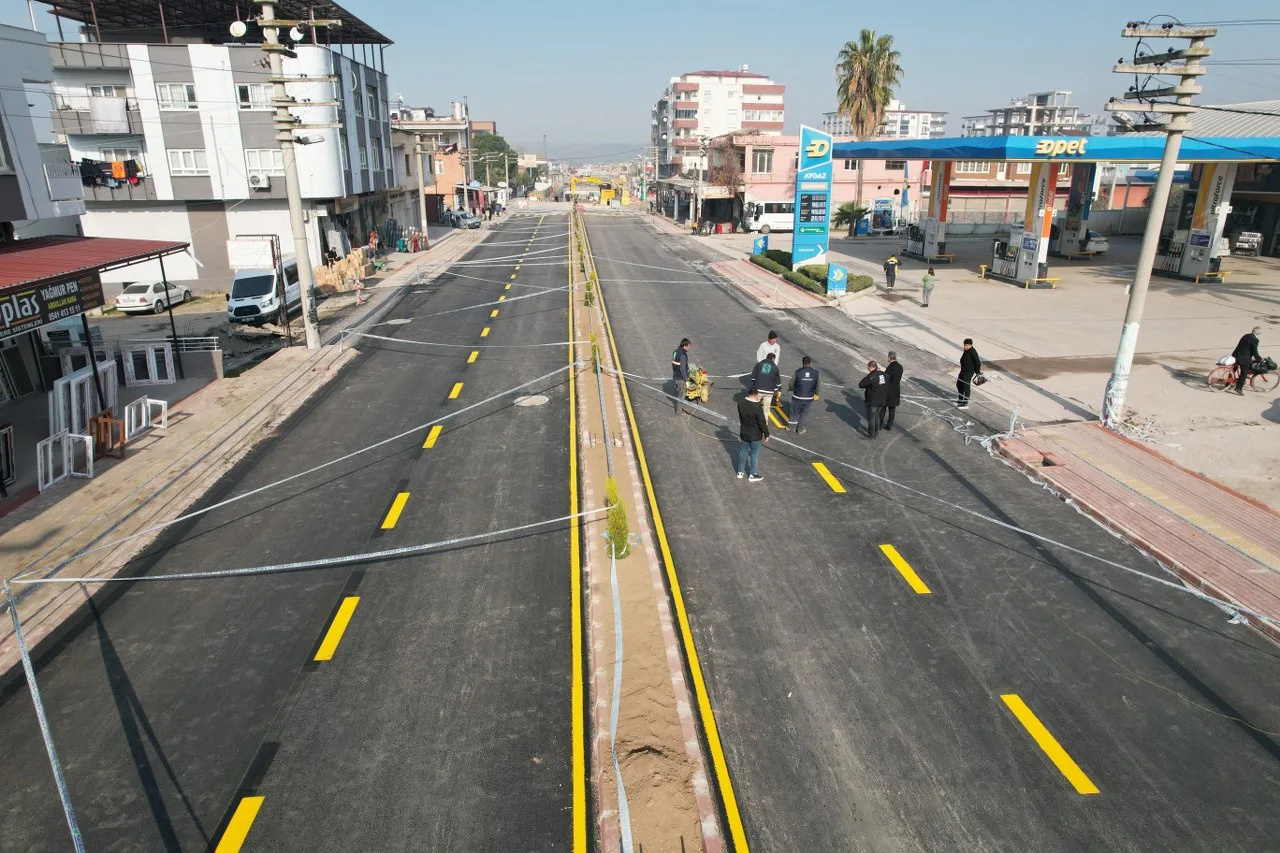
[(1247, 358)]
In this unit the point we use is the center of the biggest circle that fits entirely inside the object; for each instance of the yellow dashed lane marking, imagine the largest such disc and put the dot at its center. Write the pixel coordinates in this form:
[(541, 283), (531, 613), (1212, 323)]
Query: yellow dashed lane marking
[(493, 313), (457, 389), (471, 359), (904, 569), (393, 514), (1082, 783), (433, 435), (484, 333), (241, 823), (829, 478), (338, 627)]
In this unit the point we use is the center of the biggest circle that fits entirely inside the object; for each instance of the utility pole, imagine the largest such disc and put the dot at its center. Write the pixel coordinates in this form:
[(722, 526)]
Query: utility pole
[(697, 193), (1185, 65), (422, 197), (285, 126)]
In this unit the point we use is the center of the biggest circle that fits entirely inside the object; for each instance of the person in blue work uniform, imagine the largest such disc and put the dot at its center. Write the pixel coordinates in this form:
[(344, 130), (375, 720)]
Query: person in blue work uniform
[(804, 390), (680, 373), (766, 379)]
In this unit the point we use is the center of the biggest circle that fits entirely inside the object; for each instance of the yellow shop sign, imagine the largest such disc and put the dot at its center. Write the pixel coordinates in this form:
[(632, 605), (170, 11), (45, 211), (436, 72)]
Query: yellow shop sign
[(1058, 147)]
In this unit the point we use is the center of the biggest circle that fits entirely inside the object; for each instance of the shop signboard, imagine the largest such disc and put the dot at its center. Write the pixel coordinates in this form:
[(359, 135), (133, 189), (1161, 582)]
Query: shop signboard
[(25, 309)]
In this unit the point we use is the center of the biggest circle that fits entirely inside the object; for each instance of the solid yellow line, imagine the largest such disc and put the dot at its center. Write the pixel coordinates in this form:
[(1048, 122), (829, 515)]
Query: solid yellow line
[(904, 569), (577, 718), (825, 473), (431, 437), (241, 823), (493, 313), (484, 333), (393, 514), (471, 359), (338, 627), (737, 832), (457, 389), (1082, 783)]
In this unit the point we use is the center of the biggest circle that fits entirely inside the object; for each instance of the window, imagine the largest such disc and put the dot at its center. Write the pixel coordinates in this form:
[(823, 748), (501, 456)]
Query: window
[(851, 165), (106, 91), (762, 161), (439, 167), (686, 114), (176, 96), (358, 100), (254, 96), (895, 165), (972, 167), (111, 155), (377, 155), (188, 161), (372, 94), (264, 161), (408, 165), (364, 157), (779, 207), (342, 151), (761, 115), (1023, 169)]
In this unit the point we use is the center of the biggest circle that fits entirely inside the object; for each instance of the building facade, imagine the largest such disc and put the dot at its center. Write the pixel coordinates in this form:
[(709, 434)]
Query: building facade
[(700, 105), (448, 180), (193, 126), (1036, 114), (899, 123)]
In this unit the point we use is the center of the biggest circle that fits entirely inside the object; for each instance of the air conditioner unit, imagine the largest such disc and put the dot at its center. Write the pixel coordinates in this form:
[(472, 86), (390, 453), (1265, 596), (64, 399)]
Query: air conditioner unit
[(259, 182)]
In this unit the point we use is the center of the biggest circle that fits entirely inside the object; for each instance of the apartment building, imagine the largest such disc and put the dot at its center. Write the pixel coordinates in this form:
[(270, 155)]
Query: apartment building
[(173, 131), (449, 179), (700, 105), (1036, 114), (983, 190), (899, 123)]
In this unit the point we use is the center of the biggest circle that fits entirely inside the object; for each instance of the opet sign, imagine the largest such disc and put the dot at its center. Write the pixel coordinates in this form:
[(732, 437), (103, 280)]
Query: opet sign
[(1058, 147)]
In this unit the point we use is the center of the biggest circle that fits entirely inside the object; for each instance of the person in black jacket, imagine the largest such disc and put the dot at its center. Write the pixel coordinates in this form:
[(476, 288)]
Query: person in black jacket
[(753, 429), (680, 373), (766, 379), (804, 390), (893, 377), (1246, 355), (875, 391), (970, 366)]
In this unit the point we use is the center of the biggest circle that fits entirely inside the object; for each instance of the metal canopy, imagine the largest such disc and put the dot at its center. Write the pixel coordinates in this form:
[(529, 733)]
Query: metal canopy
[(29, 263), (1133, 148), (127, 20)]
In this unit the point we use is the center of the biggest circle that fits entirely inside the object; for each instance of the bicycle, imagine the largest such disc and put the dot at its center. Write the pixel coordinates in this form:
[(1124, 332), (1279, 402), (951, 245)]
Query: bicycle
[(1225, 376)]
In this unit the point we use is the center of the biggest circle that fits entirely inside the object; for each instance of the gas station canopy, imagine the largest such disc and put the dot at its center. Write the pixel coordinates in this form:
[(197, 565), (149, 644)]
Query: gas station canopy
[(1132, 148)]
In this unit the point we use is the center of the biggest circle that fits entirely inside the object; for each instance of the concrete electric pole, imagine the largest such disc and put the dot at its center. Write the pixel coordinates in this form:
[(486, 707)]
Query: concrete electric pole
[(1185, 65), (285, 127), (422, 196)]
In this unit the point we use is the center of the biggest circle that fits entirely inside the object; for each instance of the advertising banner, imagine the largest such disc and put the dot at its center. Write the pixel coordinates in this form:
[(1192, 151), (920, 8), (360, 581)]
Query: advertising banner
[(837, 280), (813, 198), (27, 309), (760, 245)]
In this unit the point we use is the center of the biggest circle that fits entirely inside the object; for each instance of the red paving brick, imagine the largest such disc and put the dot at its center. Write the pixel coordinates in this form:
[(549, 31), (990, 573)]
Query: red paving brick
[(1215, 539)]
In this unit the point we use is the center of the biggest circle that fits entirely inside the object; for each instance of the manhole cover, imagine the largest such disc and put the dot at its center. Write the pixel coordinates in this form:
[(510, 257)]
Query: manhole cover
[(532, 400)]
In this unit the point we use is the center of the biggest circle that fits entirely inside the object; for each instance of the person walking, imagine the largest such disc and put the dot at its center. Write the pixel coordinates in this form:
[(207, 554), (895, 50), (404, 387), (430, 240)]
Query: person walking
[(1246, 355), (875, 392), (766, 380), (771, 346), (890, 271), (680, 373), (753, 430), (926, 287), (970, 366), (893, 397), (804, 390)]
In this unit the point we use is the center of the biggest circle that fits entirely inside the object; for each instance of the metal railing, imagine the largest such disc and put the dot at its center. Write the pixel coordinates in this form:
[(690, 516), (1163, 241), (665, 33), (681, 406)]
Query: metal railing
[(209, 344)]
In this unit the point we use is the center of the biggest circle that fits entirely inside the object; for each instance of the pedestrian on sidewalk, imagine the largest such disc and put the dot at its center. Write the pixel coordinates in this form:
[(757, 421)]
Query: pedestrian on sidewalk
[(926, 286), (753, 430), (970, 366), (804, 390), (766, 380), (890, 271), (680, 373), (875, 393), (893, 377), (1246, 355)]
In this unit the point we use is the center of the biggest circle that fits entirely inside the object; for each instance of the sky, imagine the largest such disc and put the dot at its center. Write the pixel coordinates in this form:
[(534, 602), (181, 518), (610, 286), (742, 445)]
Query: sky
[(586, 72)]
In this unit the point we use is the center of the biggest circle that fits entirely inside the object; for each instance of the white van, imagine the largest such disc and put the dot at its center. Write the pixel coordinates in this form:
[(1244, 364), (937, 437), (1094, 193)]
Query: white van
[(255, 293), (767, 216)]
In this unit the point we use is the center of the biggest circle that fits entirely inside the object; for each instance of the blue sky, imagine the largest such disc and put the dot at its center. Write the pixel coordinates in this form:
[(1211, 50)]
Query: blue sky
[(586, 73)]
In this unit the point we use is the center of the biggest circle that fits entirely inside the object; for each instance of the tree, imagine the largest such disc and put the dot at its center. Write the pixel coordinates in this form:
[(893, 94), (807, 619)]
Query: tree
[(487, 150), (866, 73), (848, 215)]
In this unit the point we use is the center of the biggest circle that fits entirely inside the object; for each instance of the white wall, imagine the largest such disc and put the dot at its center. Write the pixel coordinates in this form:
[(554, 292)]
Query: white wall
[(319, 164), (162, 222), (272, 217), (219, 119), (149, 111)]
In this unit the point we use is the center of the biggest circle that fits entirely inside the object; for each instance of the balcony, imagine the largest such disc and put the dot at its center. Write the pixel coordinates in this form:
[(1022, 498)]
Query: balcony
[(89, 55), (144, 190), (82, 114)]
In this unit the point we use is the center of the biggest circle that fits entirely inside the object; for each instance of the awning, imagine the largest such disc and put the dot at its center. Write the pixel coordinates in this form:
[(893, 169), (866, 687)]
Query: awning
[(46, 259)]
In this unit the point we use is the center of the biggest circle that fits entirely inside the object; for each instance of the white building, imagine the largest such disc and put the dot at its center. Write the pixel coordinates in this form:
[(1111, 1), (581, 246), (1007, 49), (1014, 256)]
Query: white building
[(899, 123), (1036, 114), (189, 120), (700, 105)]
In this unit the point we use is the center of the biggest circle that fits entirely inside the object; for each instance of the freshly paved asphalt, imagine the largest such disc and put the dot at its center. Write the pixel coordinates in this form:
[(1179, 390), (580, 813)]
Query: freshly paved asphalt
[(442, 721), (858, 715)]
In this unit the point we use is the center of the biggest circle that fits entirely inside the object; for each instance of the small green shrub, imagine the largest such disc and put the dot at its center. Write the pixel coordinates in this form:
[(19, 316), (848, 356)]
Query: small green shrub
[(817, 272), (803, 281), (859, 282), (771, 266), (619, 535), (778, 257)]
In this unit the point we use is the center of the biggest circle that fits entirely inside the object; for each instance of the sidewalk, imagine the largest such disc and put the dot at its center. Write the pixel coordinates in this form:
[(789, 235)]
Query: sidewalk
[(1215, 539), (168, 471)]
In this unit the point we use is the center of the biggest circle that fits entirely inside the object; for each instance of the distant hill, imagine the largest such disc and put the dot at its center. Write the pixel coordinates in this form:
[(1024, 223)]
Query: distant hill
[(585, 151)]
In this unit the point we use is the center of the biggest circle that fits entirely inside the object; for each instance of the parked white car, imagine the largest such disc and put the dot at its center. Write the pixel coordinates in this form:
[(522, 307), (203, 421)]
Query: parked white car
[(150, 297), (1095, 242)]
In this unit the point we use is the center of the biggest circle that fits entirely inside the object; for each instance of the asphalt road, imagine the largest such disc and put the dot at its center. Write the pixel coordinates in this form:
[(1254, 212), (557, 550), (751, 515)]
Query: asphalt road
[(858, 714), (442, 719)]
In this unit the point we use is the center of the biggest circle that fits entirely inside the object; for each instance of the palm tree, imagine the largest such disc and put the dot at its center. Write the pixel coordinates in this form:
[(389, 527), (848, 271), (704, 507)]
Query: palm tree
[(848, 214), (866, 73)]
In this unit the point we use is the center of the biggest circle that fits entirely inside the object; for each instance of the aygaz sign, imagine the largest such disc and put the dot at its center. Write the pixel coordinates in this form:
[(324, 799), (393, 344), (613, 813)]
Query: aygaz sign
[(27, 309)]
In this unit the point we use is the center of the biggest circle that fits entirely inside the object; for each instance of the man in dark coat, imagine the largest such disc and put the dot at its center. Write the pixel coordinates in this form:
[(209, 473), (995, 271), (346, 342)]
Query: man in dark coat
[(680, 373), (970, 366), (1246, 354), (893, 376), (875, 391), (753, 430)]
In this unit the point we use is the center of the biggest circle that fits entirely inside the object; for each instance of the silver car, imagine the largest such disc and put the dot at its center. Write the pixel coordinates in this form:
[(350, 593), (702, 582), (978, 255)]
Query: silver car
[(150, 297)]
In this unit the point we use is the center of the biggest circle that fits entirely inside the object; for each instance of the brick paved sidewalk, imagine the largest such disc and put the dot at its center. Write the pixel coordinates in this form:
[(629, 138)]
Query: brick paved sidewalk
[(1215, 539), (767, 289)]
